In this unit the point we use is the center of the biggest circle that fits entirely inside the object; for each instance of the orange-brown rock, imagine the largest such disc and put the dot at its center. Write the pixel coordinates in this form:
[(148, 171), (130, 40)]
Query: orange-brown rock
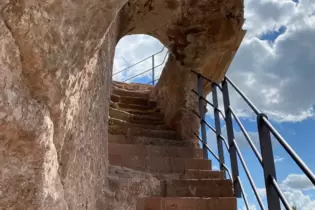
[(55, 78)]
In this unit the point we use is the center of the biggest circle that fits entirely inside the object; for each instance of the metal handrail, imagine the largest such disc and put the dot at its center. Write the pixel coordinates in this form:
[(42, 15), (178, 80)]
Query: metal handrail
[(250, 142), (207, 79), (139, 62), (208, 102), (216, 157), (266, 157), (251, 181), (280, 194), (254, 108), (276, 134), (148, 70), (228, 171), (291, 152), (243, 194)]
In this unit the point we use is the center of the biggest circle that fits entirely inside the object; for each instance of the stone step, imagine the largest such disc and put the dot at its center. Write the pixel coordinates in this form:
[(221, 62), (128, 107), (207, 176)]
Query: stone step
[(144, 119), (122, 123), (129, 100), (119, 130), (136, 107), (124, 92), (132, 86), (133, 100), (156, 113), (165, 165), (122, 139), (188, 203), (164, 134), (153, 151), (196, 188), (202, 174)]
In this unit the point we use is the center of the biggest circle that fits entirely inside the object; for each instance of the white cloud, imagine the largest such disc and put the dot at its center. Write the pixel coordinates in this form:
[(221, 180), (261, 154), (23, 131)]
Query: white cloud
[(134, 48), (250, 206), (293, 187), (262, 192), (278, 159), (297, 182), (277, 78), (300, 200)]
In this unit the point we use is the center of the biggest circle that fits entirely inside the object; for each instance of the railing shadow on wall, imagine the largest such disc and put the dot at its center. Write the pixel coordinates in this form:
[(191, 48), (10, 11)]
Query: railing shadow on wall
[(274, 194)]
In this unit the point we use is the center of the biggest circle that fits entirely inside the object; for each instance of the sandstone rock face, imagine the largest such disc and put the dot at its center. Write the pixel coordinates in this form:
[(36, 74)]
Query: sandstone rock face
[(126, 185), (55, 78), (201, 35)]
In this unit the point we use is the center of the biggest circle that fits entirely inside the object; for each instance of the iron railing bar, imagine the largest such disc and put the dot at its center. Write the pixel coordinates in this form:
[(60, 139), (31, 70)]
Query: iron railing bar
[(228, 171), (222, 115), (138, 74), (138, 62), (251, 181), (291, 152), (208, 102), (280, 194), (203, 98), (153, 81), (141, 73), (243, 194), (209, 126), (217, 158), (246, 136), (254, 108), (207, 147), (225, 142), (209, 80)]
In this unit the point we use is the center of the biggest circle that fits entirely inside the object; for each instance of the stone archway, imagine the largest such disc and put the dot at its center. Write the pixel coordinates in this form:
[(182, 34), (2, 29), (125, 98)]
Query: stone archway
[(55, 75)]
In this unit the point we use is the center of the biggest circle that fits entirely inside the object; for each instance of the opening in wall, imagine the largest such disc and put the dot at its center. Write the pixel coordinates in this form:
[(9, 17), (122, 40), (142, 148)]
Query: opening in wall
[(139, 59)]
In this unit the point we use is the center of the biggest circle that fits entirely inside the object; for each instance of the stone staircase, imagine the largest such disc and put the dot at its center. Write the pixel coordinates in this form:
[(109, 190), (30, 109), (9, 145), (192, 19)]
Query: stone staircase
[(139, 140)]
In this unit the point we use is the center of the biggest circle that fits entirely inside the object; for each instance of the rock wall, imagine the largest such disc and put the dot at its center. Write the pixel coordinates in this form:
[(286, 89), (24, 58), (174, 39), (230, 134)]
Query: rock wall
[(201, 35), (55, 75)]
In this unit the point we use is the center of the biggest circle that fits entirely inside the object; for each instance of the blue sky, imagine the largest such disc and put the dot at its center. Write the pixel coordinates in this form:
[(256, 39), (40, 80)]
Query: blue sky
[(275, 67)]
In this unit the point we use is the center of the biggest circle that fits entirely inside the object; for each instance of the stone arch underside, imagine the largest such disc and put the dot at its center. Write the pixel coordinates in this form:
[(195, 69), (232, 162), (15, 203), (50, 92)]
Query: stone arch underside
[(55, 76)]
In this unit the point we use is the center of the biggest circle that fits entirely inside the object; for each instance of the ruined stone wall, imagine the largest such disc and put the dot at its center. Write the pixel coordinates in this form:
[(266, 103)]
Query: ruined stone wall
[(55, 75)]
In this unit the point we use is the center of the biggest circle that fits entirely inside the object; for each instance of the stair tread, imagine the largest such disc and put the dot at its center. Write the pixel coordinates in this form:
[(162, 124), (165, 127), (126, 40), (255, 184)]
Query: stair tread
[(169, 165), (142, 140), (138, 131), (118, 122), (132, 93), (130, 99), (185, 203), (196, 188), (201, 174), (125, 115), (152, 150), (136, 107)]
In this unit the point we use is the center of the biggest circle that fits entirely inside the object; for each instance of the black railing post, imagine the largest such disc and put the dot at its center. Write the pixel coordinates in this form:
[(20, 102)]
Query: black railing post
[(218, 126), (202, 117), (230, 135), (153, 70), (268, 163)]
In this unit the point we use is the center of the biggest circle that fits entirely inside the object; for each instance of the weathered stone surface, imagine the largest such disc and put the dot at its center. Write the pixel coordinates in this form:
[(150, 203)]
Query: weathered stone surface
[(162, 203), (126, 185), (55, 76)]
